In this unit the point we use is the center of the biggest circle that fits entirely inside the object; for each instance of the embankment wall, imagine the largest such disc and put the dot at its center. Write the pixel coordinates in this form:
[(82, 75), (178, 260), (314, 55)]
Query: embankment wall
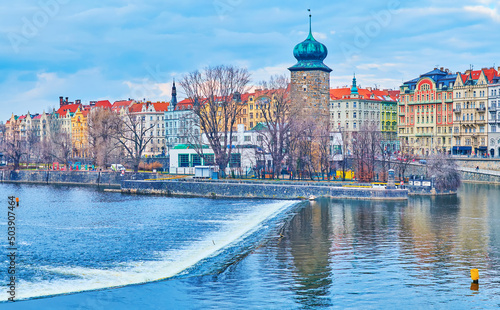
[(100, 178)]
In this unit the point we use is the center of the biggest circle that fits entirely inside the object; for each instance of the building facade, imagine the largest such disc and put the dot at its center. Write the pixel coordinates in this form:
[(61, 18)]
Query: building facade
[(425, 112), (494, 119), (352, 107), (181, 123), (470, 130)]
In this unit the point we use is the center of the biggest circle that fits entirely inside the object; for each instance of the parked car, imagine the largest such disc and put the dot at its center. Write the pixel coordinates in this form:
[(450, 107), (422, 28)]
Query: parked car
[(117, 167), (423, 161)]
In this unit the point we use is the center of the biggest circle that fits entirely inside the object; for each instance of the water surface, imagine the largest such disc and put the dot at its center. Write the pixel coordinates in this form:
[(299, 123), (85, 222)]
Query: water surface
[(332, 253)]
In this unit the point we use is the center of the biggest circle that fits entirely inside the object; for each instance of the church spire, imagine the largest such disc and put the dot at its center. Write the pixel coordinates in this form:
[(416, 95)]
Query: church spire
[(173, 101), (354, 88)]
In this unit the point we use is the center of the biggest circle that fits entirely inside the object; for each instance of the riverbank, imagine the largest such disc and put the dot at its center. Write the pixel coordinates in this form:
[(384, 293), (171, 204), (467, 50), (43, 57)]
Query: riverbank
[(109, 179)]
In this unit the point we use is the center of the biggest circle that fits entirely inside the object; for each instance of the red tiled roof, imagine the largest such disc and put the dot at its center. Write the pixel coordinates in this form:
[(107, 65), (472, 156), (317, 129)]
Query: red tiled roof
[(22, 117), (136, 107), (103, 104), (71, 107), (38, 116), (474, 75), (117, 105)]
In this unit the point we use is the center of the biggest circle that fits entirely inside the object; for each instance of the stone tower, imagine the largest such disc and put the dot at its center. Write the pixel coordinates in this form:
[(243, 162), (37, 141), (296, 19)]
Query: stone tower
[(310, 77)]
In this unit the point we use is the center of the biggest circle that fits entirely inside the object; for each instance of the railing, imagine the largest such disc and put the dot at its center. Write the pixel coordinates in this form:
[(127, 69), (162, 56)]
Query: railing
[(481, 109), (456, 110)]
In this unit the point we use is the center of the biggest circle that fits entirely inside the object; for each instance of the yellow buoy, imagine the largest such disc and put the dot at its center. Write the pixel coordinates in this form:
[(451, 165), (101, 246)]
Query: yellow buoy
[(474, 274)]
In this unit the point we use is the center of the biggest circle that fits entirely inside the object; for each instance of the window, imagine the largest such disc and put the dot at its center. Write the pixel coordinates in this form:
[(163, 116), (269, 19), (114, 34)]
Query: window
[(354, 115), (235, 160), (195, 160), (247, 138), (209, 159), (259, 138), (183, 160)]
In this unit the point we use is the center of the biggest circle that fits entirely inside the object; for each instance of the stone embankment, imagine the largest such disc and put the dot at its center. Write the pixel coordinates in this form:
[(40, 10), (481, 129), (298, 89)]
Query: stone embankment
[(97, 178), (255, 189)]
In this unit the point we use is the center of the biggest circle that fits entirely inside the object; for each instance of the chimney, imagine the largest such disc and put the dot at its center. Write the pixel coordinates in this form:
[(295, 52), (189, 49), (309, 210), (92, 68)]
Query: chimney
[(498, 70), (67, 100), (467, 72), (442, 68), (61, 102), (78, 101)]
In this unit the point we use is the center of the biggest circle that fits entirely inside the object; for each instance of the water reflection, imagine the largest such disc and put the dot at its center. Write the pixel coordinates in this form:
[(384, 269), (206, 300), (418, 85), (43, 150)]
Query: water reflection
[(308, 240), (377, 248)]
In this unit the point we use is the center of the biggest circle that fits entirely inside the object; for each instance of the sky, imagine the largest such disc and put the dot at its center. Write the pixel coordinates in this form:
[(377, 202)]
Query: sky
[(120, 49)]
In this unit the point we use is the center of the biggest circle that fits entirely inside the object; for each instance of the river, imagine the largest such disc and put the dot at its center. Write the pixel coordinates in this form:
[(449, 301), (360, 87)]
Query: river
[(82, 248)]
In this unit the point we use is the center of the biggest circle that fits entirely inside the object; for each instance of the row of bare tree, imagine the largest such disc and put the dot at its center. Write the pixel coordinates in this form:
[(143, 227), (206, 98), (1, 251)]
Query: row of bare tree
[(111, 138)]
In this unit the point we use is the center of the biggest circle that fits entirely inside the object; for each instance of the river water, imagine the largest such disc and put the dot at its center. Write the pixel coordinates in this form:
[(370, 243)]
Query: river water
[(82, 248)]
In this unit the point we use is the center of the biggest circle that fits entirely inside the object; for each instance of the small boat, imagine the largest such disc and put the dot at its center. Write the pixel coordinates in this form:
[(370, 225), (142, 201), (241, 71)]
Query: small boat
[(312, 197)]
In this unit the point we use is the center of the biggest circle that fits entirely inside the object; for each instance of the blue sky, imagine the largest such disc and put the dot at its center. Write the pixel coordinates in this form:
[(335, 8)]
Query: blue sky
[(121, 49)]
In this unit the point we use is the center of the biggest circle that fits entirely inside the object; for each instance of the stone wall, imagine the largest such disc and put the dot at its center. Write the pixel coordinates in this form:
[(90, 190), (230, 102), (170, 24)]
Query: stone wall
[(104, 178), (483, 163), (479, 177), (256, 190)]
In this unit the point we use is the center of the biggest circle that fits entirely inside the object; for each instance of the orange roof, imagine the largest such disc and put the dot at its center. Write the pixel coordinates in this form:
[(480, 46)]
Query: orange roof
[(366, 94), (339, 93), (161, 106)]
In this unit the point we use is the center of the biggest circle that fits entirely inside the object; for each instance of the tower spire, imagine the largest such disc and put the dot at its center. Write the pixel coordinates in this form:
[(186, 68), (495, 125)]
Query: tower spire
[(310, 28), (173, 101)]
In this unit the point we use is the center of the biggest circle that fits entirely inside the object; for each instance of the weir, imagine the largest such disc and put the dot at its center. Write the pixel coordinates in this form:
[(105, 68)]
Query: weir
[(250, 189)]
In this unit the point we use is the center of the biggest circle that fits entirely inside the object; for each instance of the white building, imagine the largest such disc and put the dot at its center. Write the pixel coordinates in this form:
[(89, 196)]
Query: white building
[(494, 119), (153, 116), (181, 123), (245, 156)]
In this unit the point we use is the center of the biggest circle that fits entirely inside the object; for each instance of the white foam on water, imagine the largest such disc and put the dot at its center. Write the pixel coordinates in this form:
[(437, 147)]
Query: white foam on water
[(171, 264)]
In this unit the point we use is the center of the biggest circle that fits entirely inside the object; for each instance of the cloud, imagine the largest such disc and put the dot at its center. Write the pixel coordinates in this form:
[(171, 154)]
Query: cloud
[(377, 66), (482, 10)]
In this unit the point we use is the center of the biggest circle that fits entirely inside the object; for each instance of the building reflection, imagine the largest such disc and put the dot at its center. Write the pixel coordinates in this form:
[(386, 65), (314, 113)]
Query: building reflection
[(309, 243)]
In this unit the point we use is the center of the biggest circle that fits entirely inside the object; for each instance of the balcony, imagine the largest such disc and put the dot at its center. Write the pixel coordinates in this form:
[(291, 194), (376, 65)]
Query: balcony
[(457, 110), (492, 107), (424, 134), (481, 109)]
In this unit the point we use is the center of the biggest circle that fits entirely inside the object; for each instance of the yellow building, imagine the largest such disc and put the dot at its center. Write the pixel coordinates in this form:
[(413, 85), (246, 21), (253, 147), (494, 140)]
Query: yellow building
[(79, 132)]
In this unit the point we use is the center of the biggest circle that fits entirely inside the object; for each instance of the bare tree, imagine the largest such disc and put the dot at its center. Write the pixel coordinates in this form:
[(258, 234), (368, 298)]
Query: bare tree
[(366, 147), (275, 107), (216, 101), (102, 134), (15, 146), (132, 133), (445, 172), (405, 158)]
